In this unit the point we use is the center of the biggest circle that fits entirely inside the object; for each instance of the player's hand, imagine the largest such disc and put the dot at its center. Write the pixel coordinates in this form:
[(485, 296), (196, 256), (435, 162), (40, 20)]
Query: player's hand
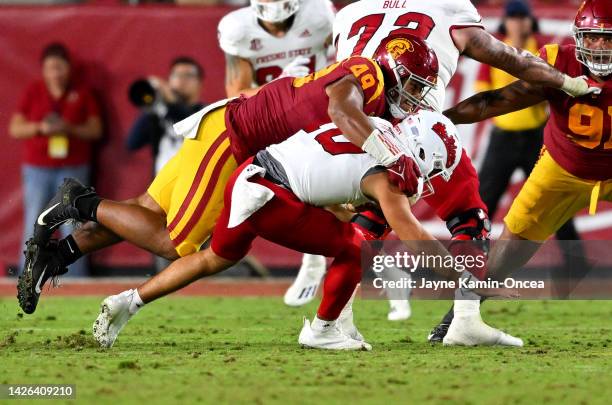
[(580, 86), (405, 174), (297, 68)]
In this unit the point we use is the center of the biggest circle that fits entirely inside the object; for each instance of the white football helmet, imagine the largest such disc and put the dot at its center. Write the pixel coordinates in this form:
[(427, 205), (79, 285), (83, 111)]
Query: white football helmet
[(433, 142), (274, 10)]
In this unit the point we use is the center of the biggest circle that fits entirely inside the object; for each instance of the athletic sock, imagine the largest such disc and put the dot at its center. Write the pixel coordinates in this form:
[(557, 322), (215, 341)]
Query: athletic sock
[(88, 207), (321, 325), (136, 302), (69, 250)]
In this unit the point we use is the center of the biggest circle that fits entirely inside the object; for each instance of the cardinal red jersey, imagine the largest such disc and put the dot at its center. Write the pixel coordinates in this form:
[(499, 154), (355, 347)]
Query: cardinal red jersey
[(285, 106), (578, 133)]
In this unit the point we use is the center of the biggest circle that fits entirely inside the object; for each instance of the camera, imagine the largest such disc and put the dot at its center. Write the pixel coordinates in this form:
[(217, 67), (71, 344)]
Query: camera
[(143, 94)]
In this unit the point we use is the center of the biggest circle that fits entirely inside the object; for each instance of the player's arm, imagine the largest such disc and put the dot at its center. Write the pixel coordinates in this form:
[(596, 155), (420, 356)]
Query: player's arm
[(238, 76), (480, 45), (397, 211), (345, 109), (492, 103)]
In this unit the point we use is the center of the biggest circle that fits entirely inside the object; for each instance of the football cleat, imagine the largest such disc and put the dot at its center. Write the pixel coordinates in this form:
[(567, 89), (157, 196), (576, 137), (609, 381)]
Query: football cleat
[(42, 262), (114, 314), (61, 209), (326, 335), (470, 330), (399, 310), (437, 334), (304, 288), (347, 325)]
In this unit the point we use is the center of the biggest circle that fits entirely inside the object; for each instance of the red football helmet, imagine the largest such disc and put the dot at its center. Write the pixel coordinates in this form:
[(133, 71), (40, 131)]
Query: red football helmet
[(594, 17), (409, 66)]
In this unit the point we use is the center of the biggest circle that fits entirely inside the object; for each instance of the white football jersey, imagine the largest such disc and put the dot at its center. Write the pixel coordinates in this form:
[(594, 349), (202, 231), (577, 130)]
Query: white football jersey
[(323, 167), (241, 35), (361, 26)]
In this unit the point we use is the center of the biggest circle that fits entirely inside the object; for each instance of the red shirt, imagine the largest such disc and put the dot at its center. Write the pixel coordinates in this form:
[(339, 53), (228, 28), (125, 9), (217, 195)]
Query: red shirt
[(578, 133), (75, 107), (285, 106)]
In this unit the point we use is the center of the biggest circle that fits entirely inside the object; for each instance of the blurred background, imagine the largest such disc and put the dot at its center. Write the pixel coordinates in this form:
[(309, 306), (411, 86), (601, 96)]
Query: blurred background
[(103, 47)]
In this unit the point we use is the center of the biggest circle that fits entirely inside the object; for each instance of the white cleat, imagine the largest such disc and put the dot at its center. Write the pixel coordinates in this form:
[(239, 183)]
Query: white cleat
[(347, 325), (304, 288), (399, 310), (470, 330), (114, 314), (326, 335)]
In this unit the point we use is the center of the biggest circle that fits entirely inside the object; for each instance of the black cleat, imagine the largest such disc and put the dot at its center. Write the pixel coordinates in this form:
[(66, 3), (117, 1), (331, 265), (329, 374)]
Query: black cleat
[(61, 209), (437, 334), (41, 263)]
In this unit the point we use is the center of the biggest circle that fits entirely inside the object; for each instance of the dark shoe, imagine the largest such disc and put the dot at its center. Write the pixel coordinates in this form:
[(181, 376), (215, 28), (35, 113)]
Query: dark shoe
[(62, 208), (437, 334), (42, 263)]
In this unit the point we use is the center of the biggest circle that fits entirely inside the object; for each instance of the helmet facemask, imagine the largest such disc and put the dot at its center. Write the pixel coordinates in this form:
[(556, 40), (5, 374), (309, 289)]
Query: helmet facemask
[(400, 94), (430, 168), (598, 61), (275, 11)]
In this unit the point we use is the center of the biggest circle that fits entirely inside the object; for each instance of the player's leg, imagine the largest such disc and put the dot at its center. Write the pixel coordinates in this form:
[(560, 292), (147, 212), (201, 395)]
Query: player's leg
[(314, 230), (284, 220), (306, 284), (502, 158), (549, 197), (311, 272), (458, 202), (117, 310)]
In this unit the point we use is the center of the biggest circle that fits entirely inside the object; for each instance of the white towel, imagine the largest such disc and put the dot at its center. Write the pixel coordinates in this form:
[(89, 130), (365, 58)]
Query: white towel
[(188, 128), (248, 197)]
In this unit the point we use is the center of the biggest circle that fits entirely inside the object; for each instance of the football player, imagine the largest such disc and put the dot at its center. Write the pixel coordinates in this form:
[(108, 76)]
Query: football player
[(575, 167), (452, 28), (177, 213), (274, 38), (279, 195)]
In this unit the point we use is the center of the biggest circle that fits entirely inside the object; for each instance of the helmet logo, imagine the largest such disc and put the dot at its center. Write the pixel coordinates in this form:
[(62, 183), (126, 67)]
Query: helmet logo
[(449, 143), (399, 46)]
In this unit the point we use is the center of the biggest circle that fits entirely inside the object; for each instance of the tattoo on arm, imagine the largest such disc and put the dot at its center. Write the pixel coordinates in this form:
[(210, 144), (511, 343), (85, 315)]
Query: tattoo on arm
[(486, 49), (481, 106)]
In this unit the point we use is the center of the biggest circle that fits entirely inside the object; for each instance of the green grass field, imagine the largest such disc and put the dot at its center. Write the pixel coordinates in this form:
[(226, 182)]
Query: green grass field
[(232, 350)]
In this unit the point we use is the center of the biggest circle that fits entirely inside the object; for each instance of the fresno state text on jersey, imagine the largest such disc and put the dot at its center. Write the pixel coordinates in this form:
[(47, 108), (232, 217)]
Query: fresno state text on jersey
[(241, 35)]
